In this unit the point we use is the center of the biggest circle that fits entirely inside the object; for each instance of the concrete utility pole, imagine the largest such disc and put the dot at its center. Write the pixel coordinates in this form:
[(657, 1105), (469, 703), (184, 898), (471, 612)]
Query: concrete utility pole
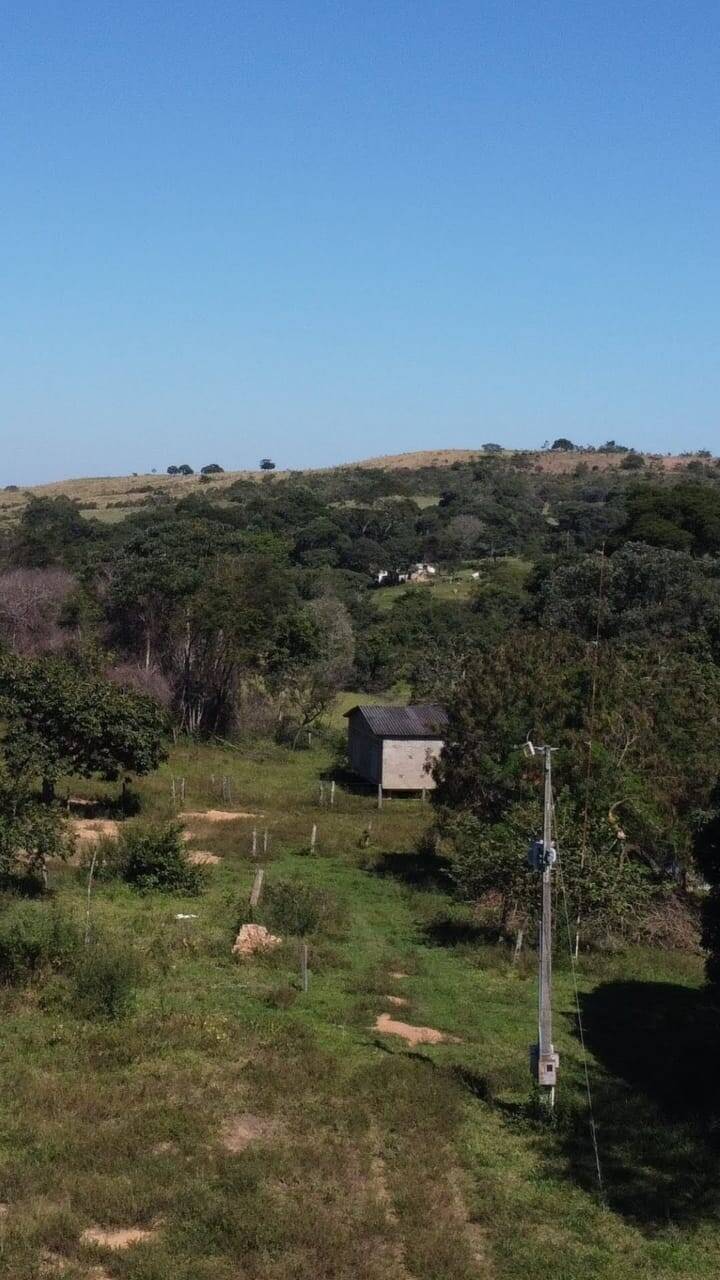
[(544, 1060)]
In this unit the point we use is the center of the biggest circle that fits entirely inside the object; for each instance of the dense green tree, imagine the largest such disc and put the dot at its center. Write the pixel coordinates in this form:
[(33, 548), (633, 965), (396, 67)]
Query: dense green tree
[(640, 594), (654, 725), (684, 517), (52, 531), (30, 832), (64, 719)]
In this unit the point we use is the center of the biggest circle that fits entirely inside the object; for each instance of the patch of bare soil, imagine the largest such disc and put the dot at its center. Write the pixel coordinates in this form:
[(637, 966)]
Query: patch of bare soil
[(203, 858), (254, 938), (216, 815), (90, 830), (399, 1000), (117, 1237), (397, 973), (413, 1035), (240, 1131)]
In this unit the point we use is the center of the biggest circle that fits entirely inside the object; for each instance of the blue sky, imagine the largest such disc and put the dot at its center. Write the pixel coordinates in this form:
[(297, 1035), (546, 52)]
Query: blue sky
[(322, 231)]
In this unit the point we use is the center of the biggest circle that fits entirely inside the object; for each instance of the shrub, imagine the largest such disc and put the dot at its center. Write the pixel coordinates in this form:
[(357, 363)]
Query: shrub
[(34, 937), (632, 462), (104, 980), (291, 907), (154, 857)]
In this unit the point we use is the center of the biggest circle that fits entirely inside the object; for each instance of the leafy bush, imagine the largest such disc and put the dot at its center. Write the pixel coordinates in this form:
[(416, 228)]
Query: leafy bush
[(104, 980), (154, 857), (34, 937), (291, 907)]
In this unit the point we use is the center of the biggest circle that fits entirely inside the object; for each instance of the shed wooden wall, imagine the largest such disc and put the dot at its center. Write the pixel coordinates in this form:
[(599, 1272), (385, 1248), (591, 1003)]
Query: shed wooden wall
[(364, 750), (406, 763)]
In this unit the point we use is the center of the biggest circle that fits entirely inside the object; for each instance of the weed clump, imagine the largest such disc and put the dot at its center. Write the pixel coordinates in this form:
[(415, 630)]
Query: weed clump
[(291, 907), (104, 980), (34, 939), (150, 858)]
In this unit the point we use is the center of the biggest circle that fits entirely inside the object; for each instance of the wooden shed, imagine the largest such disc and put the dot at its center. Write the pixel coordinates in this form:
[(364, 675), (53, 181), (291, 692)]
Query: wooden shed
[(396, 747)]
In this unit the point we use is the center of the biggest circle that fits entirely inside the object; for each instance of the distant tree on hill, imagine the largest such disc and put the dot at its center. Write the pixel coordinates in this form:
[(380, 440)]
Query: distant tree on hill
[(185, 469), (632, 462), (172, 471), (562, 445), (212, 469), (267, 464), (492, 448)]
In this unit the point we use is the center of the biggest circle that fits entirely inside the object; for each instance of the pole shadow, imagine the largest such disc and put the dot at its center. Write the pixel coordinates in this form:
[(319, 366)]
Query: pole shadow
[(656, 1102)]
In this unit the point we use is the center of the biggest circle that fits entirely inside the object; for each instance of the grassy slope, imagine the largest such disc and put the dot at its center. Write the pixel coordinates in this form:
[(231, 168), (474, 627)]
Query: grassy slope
[(458, 586), (384, 1161)]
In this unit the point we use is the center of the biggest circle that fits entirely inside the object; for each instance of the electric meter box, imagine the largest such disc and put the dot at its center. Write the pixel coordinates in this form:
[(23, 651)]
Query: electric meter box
[(544, 1069)]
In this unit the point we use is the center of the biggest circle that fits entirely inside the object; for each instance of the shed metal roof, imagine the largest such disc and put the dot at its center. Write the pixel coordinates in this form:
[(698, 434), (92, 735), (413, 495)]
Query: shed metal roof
[(426, 720)]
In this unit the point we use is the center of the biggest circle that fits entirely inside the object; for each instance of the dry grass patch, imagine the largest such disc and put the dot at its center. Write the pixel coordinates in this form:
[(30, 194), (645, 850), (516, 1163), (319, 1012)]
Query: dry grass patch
[(203, 858), (239, 1132), (90, 830)]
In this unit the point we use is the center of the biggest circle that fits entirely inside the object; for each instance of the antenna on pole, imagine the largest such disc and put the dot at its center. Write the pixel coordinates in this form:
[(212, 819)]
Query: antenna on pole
[(543, 1058)]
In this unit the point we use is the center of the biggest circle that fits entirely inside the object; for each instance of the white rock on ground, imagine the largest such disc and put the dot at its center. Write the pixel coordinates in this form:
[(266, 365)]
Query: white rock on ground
[(253, 938)]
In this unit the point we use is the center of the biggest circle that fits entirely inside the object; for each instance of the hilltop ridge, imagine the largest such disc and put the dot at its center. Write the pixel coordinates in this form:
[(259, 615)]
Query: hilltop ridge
[(108, 492)]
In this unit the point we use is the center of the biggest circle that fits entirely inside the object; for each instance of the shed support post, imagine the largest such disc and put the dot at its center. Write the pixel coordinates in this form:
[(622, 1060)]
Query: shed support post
[(380, 795)]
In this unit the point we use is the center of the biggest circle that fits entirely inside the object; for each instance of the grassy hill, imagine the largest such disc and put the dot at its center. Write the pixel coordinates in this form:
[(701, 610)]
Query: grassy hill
[(111, 497)]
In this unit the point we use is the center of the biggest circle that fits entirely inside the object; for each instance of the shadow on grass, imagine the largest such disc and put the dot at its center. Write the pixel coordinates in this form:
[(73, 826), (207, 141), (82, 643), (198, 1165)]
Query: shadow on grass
[(453, 931), (422, 869), (656, 1105), (348, 780), (23, 885)]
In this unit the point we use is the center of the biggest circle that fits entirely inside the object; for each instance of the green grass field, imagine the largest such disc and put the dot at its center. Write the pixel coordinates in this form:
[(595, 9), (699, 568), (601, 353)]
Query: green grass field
[(363, 1156), (455, 586)]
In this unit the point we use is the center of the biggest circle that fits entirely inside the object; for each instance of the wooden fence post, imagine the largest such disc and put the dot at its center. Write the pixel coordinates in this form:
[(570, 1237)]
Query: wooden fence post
[(257, 887)]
